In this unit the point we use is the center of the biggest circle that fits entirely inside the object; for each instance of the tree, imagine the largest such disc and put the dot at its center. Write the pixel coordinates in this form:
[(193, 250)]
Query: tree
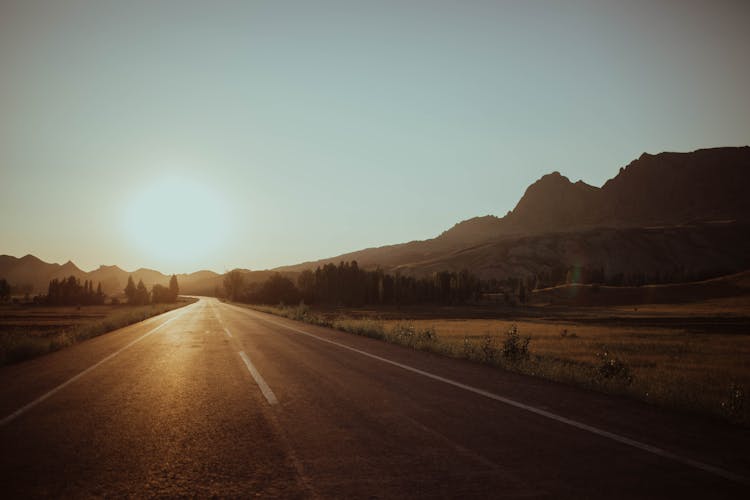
[(522, 293), (130, 290), (306, 284), (160, 293), (141, 294), (278, 289), (70, 291), (174, 288), (4, 290), (349, 285), (233, 283)]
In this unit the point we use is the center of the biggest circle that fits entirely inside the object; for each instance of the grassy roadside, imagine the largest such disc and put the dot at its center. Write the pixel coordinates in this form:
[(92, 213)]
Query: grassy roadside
[(671, 380), (30, 332)]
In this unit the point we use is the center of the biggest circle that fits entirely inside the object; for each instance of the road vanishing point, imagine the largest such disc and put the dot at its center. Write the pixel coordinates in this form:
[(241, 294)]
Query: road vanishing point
[(218, 400)]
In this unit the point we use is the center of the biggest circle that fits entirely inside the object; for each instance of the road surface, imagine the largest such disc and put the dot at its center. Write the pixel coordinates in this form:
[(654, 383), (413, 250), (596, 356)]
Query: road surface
[(218, 400)]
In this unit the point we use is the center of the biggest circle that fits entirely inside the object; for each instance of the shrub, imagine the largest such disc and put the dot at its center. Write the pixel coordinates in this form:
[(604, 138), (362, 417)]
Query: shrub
[(613, 368), (365, 328), (14, 347), (404, 332), (467, 348), (299, 313), (427, 335), (515, 347), (734, 405), (488, 350)]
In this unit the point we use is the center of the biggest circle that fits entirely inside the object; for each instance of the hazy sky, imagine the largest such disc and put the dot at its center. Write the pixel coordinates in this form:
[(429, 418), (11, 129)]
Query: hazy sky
[(257, 134)]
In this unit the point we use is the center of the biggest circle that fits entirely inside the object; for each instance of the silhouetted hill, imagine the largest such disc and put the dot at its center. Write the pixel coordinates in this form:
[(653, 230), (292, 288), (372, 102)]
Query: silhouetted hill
[(112, 278), (701, 196), (31, 272), (684, 215), (199, 282), (554, 203), (663, 189), (34, 274), (673, 253)]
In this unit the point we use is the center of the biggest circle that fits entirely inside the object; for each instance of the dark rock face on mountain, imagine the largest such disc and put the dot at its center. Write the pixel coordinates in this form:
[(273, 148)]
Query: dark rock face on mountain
[(676, 209), (662, 189), (675, 188), (554, 203)]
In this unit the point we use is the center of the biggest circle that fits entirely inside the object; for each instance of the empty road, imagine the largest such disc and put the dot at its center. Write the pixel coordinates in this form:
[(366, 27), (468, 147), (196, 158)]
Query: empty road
[(218, 400)]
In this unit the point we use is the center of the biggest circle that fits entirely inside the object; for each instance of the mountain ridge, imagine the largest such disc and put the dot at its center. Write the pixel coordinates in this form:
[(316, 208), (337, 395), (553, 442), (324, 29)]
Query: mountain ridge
[(667, 189), (690, 207), (33, 274)]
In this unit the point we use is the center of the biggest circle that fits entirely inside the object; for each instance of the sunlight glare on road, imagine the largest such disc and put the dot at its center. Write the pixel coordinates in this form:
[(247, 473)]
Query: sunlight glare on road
[(176, 220)]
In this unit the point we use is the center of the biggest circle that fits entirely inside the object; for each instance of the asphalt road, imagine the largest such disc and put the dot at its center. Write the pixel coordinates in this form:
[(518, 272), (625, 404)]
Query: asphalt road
[(217, 400)]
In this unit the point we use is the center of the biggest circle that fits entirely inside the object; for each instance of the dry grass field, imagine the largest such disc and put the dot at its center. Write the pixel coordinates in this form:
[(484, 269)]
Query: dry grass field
[(27, 331), (666, 364), (685, 356)]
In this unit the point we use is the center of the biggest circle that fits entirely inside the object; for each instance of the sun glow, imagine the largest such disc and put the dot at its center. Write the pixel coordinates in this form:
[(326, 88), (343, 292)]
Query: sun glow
[(176, 221)]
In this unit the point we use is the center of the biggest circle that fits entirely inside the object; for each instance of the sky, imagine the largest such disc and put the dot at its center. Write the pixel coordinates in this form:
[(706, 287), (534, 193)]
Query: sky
[(183, 135)]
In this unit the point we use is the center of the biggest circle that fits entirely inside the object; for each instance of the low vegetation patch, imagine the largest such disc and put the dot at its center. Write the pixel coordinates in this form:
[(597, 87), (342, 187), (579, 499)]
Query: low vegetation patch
[(515, 348), (613, 368), (704, 373), (734, 406), (30, 331)]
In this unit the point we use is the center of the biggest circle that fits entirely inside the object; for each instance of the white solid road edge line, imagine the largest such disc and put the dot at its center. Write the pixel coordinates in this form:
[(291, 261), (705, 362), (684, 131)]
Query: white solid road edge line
[(544, 413), (267, 392), (46, 395)]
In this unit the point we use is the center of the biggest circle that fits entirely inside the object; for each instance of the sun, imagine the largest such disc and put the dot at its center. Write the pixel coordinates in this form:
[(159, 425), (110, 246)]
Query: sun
[(176, 221)]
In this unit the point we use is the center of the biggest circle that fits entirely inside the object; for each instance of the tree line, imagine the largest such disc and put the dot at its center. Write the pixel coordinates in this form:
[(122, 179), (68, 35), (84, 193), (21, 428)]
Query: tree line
[(4, 290), (346, 284), (140, 295), (71, 291)]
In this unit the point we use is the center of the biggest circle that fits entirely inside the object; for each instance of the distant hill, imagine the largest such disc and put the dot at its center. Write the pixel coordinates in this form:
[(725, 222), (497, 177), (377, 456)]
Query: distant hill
[(669, 209), (29, 271), (669, 216), (652, 254), (35, 274)]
